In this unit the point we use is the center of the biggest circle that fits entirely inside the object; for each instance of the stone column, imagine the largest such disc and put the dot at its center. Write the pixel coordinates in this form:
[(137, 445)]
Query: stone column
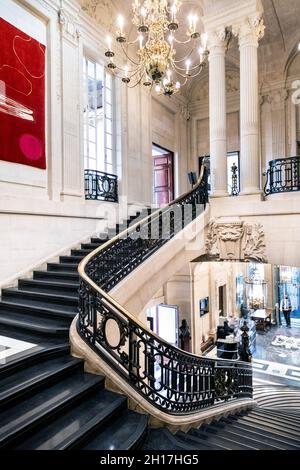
[(249, 34), (217, 114)]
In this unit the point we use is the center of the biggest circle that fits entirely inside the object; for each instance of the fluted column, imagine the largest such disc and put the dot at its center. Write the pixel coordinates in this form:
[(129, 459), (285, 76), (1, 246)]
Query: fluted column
[(249, 34), (217, 114)]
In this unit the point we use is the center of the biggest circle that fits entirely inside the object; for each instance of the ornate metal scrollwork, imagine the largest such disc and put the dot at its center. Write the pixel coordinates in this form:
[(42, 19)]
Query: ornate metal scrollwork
[(101, 186), (172, 380), (283, 176)]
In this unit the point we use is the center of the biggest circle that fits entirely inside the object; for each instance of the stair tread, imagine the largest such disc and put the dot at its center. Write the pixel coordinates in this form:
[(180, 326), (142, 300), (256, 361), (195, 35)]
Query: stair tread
[(31, 306), (22, 416), (227, 442), (38, 305), (59, 274), (64, 431), (121, 434), (42, 282), (34, 374), (20, 292), (163, 439), (39, 323)]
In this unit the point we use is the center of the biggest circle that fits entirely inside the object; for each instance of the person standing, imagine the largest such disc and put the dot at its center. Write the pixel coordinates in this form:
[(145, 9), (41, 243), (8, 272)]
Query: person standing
[(285, 308)]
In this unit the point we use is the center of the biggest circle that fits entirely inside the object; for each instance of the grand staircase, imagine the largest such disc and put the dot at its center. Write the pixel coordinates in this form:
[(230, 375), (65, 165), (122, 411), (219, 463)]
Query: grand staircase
[(47, 401)]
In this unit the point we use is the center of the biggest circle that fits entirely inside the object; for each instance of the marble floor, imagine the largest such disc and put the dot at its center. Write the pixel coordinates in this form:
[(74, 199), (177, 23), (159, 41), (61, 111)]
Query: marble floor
[(10, 347)]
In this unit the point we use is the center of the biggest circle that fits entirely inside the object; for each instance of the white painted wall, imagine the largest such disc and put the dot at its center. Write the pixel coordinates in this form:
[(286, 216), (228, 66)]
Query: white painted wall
[(33, 201)]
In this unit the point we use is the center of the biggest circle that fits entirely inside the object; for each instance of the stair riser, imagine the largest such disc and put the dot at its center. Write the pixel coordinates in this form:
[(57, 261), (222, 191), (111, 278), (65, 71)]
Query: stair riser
[(14, 367), (55, 277), (40, 313), (70, 259), (49, 289), (39, 385), (62, 267), (89, 434), (11, 295), (82, 253), (48, 332), (13, 439)]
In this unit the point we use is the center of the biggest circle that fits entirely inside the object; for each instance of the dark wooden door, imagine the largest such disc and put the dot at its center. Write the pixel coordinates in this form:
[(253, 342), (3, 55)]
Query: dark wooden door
[(163, 179)]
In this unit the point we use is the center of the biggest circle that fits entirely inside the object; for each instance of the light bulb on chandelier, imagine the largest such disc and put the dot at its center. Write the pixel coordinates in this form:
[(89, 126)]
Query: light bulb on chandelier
[(157, 65)]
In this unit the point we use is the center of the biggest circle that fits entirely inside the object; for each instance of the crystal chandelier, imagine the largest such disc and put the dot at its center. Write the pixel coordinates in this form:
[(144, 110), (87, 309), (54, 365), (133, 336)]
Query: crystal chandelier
[(156, 64)]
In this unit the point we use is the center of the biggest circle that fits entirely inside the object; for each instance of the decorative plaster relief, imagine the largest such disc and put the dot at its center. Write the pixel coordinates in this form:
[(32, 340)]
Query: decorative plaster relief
[(236, 241), (101, 12), (69, 25)]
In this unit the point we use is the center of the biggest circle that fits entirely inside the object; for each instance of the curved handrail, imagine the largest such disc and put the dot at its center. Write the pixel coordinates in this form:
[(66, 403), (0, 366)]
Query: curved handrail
[(187, 382)]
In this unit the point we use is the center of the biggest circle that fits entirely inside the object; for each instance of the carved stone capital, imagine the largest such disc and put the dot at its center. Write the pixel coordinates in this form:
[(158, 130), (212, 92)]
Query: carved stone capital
[(217, 40), (250, 31), (235, 241)]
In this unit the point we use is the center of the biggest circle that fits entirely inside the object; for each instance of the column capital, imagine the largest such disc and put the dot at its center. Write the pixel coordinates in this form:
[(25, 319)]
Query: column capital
[(217, 41), (249, 31)]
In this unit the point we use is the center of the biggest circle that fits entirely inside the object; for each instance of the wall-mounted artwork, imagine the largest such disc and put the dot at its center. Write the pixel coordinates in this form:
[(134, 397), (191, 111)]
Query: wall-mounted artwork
[(22, 97)]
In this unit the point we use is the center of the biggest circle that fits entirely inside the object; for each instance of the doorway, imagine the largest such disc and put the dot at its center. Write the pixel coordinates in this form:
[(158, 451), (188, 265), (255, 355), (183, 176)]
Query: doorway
[(164, 321), (163, 176)]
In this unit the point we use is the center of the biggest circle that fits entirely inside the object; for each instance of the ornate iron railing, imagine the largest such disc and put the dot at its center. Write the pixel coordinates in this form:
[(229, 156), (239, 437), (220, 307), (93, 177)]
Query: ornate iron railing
[(172, 380), (100, 186), (235, 190), (283, 175)]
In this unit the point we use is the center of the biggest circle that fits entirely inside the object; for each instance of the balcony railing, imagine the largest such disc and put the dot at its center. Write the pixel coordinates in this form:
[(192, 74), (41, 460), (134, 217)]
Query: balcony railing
[(172, 380), (100, 186), (283, 176)]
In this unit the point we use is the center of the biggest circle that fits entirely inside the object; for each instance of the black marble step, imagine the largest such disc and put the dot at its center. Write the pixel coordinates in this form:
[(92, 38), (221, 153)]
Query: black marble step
[(99, 241), (228, 443), (77, 425), (33, 356), (291, 421), (32, 323), (268, 424), (65, 267), (90, 246), (282, 436), (49, 286), (23, 418), (261, 434), (56, 276), (127, 432), (36, 310), (36, 376), (222, 430), (163, 439), (70, 259), (79, 252), (43, 298)]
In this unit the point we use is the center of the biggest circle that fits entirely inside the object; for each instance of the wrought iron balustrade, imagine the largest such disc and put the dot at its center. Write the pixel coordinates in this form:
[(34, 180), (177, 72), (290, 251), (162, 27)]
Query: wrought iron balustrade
[(173, 380), (283, 175), (100, 186)]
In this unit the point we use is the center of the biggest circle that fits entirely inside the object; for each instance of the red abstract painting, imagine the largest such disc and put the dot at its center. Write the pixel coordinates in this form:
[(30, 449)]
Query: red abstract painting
[(22, 97)]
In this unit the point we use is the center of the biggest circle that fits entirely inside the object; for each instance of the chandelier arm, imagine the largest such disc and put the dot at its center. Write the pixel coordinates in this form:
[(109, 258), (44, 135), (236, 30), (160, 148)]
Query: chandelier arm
[(127, 56), (136, 84), (182, 42), (186, 57)]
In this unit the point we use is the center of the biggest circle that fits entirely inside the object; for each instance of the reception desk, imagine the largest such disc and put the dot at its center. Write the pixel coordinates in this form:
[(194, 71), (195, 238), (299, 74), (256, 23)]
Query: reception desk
[(228, 348)]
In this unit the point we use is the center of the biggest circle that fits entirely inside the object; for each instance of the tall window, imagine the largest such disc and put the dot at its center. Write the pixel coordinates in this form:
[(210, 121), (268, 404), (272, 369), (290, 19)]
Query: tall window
[(98, 117)]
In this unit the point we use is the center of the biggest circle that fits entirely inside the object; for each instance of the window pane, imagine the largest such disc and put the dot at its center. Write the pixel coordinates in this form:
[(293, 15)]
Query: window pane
[(108, 111), (91, 69), (92, 164), (108, 81), (108, 124), (109, 156), (109, 168), (92, 134), (108, 141), (108, 96), (92, 150), (99, 72)]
